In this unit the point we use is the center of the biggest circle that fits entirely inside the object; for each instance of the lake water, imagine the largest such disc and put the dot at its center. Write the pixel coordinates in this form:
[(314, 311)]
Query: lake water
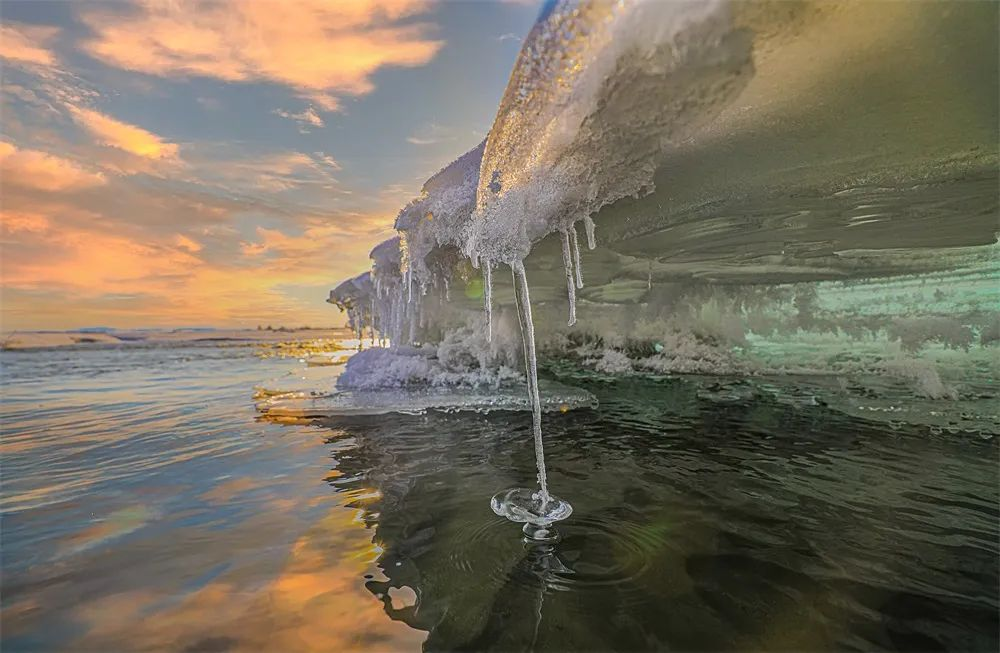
[(146, 506)]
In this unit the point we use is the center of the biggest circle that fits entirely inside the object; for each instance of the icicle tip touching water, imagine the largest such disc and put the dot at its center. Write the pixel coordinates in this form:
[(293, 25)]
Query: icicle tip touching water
[(537, 510)]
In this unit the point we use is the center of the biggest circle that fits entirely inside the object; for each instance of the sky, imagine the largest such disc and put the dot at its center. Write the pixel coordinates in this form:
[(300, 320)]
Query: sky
[(168, 163)]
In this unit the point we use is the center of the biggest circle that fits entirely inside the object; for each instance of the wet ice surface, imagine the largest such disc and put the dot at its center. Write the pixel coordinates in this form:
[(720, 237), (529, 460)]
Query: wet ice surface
[(508, 397), (145, 506), (412, 381)]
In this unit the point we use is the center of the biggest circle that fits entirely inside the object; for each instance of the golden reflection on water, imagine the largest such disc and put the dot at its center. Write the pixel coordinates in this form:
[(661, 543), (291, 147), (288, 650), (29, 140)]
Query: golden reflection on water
[(227, 490), (315, 601), (155, 513), (298, 348)]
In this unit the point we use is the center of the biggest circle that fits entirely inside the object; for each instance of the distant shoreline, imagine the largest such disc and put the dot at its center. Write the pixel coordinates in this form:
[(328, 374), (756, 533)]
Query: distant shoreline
[(27, 340)]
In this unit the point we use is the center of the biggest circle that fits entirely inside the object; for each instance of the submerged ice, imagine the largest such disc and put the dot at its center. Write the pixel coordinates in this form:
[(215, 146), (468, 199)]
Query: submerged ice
[(783, 191)]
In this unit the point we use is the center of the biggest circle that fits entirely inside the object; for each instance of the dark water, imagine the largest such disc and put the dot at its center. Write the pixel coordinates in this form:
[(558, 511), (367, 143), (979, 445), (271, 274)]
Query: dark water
[(146, 508)]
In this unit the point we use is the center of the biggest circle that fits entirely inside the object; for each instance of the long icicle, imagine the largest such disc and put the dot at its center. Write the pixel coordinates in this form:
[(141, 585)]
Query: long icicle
[(588, 225), (570, 284), (520, 324), (488, 297), (536, 401), (576, 255)]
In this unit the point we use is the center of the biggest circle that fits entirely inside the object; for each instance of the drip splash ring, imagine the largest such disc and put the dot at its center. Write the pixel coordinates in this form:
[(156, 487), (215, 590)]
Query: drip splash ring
[(525, 506)]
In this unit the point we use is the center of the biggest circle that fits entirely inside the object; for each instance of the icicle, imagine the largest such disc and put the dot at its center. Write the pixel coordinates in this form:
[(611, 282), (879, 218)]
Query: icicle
[(576, 255), (354, 317), (588, 225), (397, 317), (570, 286), (447, 290), (397, 320), (400, 316), (414, 315), (528, 332), (371, 323), (649, 276), (488, 297), (409, 285), (520, 324)]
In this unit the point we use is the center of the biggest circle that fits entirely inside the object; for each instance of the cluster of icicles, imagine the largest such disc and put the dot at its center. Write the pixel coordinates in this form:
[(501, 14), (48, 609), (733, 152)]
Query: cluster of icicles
[(574, 280), (389, 303)]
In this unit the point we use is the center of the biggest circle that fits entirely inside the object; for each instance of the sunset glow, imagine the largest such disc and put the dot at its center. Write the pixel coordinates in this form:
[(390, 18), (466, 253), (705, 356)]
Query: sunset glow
[(184, 163)]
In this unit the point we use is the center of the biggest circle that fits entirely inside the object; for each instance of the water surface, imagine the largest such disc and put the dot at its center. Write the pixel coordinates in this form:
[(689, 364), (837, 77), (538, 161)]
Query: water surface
[(145, 506)]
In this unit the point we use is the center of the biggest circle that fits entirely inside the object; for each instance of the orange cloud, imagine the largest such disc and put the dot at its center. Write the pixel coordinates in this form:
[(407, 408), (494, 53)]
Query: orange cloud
[(124, 136), (27, 43), (182, 241), (89, 261), (64, 266), (305, 119), (34, 169), (318, 47), (30, 222), (308, 250)]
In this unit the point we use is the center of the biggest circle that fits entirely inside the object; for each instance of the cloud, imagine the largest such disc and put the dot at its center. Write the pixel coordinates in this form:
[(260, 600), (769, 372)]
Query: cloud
[(27, 43), (271, 173), (134, 253), (327, 160), (115, 133), (509, 36), (325, 101), (431, 135), (306, 251), (30, 222), (305, 119), (83, 269), (182, 241), (41, 171), (102, 220), (319, 48), (209, 103), (85, 260)]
